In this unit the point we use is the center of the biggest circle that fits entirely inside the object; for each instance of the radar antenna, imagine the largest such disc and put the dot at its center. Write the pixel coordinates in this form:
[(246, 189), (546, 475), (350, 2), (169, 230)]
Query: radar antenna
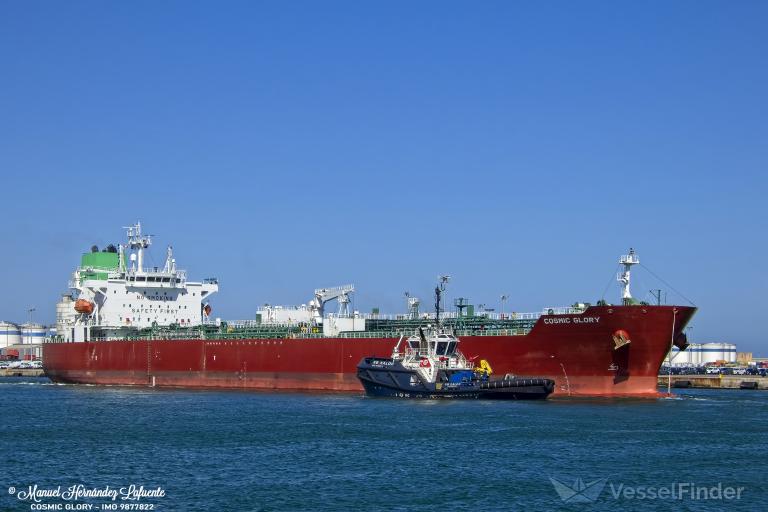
[(138, 242)]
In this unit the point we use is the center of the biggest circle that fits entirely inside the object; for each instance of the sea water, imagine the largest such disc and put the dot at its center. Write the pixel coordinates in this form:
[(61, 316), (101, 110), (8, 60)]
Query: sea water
[(68, 447)]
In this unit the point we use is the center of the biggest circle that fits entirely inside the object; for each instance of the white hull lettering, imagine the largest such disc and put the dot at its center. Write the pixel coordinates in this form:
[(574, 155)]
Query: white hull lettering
[(568, 320)]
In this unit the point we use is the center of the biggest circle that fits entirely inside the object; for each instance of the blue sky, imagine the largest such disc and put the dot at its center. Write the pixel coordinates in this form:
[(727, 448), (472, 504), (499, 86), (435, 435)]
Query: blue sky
[(283, 146)]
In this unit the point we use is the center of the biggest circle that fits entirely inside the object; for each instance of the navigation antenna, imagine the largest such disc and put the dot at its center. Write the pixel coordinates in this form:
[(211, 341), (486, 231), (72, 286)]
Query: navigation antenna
[(138, 242), (623, 278), (439, 289)]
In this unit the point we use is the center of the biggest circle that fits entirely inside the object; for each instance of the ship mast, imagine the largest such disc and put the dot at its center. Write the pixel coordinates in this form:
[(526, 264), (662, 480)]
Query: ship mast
[(624, 277), (138, 242), (439, 289)]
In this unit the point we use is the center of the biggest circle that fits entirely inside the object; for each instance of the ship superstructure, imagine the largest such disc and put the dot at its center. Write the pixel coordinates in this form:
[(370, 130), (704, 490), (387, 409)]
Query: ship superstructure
[(115, 295)]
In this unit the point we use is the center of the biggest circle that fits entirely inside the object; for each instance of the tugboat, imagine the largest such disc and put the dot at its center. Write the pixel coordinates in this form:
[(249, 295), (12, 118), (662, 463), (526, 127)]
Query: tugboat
[(431, 366)]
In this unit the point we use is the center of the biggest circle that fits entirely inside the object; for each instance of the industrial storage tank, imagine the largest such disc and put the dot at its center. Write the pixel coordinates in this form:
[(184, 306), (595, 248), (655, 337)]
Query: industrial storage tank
[(712, 352), (32, 333), (691, 356), (65, 314), (697, 356), (729, 352), (680, 357), (10, 334)]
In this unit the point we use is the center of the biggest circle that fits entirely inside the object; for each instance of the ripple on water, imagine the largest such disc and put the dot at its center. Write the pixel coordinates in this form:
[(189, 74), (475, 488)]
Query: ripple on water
[(294, 451)]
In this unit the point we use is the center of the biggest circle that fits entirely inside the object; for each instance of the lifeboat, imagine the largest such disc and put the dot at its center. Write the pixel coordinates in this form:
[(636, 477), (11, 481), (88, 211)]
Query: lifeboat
[(84, 306), (207, 310)]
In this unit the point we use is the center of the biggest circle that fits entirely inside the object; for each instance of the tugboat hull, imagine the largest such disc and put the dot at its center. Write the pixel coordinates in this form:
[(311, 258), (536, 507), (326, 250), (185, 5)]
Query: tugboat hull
[(390, 379), (380, 391), (517, 389)]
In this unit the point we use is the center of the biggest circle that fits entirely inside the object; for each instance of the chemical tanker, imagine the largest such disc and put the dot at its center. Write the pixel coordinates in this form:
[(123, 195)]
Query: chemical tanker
[(126, 324)]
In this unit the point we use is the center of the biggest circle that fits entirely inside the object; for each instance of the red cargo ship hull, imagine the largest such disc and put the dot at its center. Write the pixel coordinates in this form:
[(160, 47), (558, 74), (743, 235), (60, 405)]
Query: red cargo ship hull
[(586, 354)]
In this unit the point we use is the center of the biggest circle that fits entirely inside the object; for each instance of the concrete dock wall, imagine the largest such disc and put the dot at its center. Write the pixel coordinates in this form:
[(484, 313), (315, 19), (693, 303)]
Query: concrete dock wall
[(715, 381)]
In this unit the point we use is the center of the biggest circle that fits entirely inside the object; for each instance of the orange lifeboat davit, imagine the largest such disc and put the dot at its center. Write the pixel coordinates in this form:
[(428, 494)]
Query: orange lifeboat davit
[(84, 306)]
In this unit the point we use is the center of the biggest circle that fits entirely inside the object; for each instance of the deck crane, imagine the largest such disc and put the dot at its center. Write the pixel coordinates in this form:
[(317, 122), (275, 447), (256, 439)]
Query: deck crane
[(323, 295)]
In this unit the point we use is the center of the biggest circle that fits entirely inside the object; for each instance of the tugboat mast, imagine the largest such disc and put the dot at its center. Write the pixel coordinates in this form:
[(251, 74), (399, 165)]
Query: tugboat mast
[(439, 289)]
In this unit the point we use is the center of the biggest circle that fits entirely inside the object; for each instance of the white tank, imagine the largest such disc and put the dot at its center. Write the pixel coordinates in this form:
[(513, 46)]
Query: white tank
[(729, 352), (32, 333), (696, 354), (10, 334), (65, 314), (711, 352), (681, 357), (690, 356)]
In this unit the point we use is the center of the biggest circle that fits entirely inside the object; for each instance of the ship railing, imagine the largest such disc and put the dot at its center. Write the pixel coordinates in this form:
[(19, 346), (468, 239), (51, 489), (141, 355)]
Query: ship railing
[(511, 316), (111, 274), (54, 339), (562, 311), (93, 268), (180, 275), (262, 332), (413, 354), (492, 315), (278, 307), (240, 324), (250, 324), (371, 334), (257, 331), (491, 332)]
